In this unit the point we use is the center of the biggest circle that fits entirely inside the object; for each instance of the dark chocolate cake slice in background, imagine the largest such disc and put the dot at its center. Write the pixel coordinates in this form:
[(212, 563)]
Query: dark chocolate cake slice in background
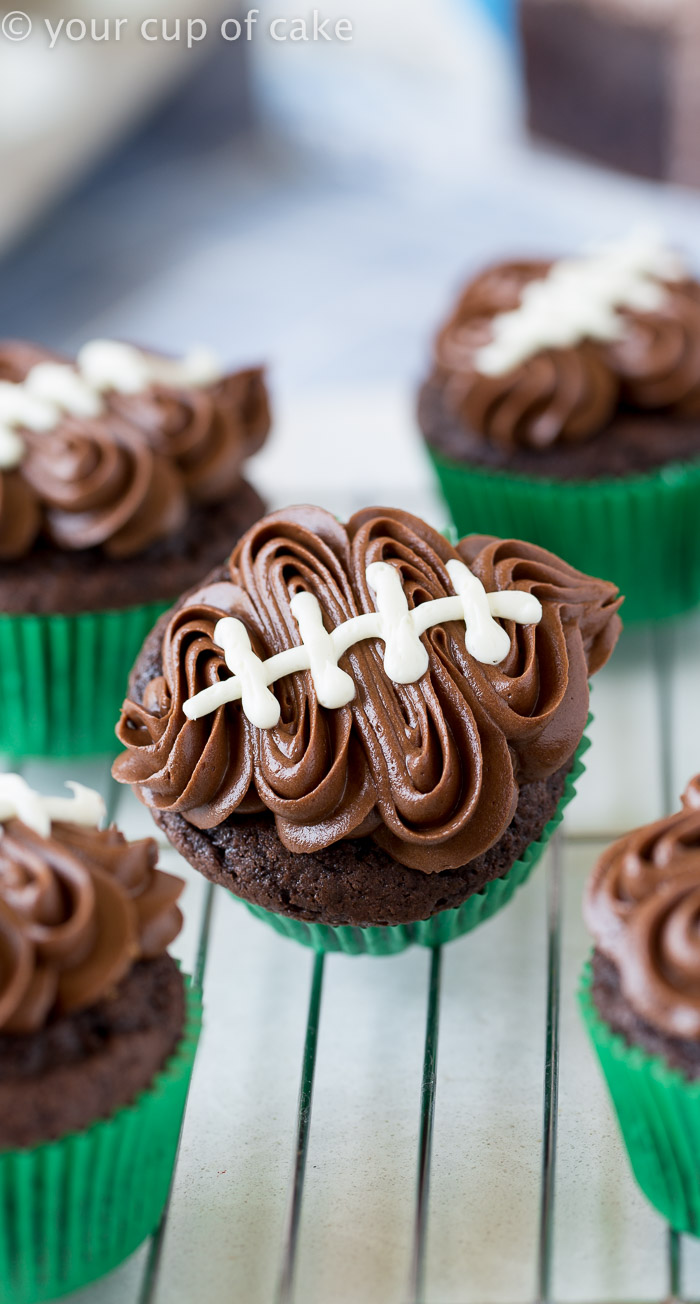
[(616, 80)]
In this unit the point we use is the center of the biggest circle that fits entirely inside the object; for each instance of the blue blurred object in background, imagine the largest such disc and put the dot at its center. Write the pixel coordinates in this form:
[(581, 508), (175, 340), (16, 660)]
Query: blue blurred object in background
[(502, 13)]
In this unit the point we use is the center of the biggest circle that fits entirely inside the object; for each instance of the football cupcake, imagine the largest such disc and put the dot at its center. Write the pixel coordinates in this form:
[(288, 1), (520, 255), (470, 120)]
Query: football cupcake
[(364, 732), (98, 1032), (564, 407), (641, 1001), (120, 485)]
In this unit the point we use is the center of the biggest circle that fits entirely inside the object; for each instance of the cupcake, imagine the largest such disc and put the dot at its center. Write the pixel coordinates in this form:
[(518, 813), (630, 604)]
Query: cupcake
[(98, 1032), (564, 407), (640, 998), (120, 485), (365, 733)]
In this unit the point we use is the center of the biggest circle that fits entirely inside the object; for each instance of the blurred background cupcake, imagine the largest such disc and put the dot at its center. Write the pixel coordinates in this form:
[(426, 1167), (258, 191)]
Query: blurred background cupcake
[(641, 1002), (563, 406), (120, 481), (98, 1031)]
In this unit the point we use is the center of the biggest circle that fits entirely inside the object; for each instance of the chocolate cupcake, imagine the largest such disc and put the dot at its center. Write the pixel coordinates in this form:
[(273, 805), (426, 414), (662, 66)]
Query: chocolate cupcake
[(120, 485), (422, 737), (641, 1002), (564, 407), (97, 1039)]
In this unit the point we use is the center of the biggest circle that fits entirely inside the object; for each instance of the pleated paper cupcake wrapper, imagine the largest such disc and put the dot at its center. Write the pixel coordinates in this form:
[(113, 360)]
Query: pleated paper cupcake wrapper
[(71, 1210), (659, 1115), (63, 678), (639, 531), (389, 939)]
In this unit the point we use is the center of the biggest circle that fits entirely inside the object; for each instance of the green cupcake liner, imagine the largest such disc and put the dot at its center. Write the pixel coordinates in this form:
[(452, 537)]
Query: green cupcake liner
[(63, 678), (659, 1115), (640, 531), (71, 1210), (389, 939)]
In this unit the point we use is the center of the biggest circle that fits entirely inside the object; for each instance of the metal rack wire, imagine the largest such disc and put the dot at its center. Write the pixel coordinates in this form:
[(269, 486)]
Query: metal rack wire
[(416, 1278), (662, 647), (149, 1281), (285, 1292), (428, 1088)]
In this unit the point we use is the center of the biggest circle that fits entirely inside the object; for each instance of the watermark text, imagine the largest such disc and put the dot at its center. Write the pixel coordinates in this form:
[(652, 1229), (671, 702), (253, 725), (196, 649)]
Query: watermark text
[(312, 26)]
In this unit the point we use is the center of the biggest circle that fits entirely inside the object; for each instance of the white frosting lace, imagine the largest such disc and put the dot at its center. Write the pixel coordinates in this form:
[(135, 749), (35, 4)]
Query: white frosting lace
[(51, 390), (578, 299), (19, 801), (400, 628)]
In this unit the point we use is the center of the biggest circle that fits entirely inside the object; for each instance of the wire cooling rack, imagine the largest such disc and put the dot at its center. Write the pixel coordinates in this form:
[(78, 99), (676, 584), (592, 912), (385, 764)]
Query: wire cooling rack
[(651, 676)]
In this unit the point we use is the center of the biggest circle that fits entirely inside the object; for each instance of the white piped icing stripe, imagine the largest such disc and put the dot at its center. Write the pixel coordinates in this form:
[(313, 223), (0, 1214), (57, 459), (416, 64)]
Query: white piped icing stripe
[(405, 657), (109, 364), (578, 299), (20, 407), (334, 687), (52, 389), (399, 627), (62, 390), (19, 801)]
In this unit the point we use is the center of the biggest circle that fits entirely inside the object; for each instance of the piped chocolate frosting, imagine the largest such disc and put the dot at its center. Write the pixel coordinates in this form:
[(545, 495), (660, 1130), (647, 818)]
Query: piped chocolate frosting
[(640, 353), (78, 908), (128, 474), (643, 908), (429, 769)]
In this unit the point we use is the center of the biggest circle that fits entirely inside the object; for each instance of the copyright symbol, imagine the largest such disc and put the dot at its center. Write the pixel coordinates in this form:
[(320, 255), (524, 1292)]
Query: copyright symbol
[(16, 26)]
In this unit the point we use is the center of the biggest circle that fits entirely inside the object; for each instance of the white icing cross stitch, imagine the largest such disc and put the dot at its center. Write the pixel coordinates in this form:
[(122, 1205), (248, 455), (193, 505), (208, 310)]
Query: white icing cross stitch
[(52, 389), (578, 299), (399, 627), (19, 801)]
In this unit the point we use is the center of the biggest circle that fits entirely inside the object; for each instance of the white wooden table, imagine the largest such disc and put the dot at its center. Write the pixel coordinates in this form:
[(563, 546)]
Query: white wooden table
[(225, 1235)]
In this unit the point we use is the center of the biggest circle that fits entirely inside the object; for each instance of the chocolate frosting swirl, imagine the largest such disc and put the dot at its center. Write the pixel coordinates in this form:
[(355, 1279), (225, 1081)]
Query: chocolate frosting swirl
[(100, 484), (658, 357), (20, 515), (207, 433), (565, 394), (430, 769), (643, 908), (126, 479), (77, 910), (559, 393)]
